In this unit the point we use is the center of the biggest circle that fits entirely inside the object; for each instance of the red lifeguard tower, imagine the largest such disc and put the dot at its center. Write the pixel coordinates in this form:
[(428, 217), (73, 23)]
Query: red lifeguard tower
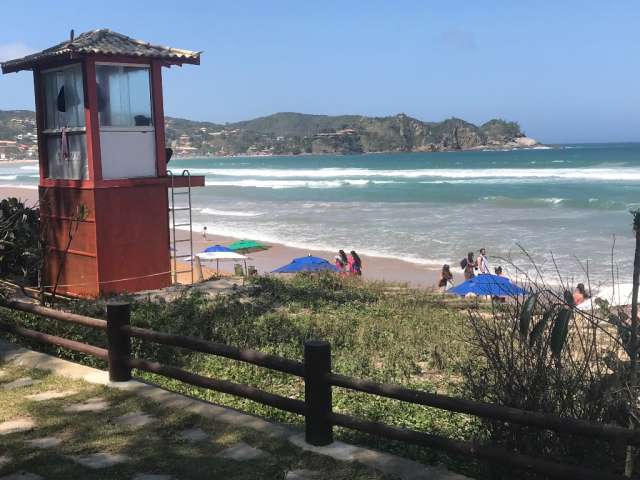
[(103, 165)]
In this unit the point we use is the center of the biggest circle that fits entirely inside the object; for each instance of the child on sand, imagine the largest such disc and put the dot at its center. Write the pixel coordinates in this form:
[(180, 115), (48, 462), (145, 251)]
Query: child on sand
[(340, 265)]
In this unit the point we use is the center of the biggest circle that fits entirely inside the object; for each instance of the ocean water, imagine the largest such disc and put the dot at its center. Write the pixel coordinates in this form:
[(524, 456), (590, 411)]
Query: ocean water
[(563, 205)]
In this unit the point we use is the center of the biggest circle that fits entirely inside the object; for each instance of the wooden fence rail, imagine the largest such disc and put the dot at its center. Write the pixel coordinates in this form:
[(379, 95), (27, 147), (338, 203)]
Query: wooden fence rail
[(319, 381), (254, 357)]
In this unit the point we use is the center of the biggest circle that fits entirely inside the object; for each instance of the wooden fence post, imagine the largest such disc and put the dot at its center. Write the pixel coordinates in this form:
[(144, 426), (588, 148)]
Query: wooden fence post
[(317, 393), (119, 342)]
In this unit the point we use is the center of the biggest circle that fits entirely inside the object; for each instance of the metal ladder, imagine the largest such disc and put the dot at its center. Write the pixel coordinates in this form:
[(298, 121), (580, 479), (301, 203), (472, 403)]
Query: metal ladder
[(181, 222)]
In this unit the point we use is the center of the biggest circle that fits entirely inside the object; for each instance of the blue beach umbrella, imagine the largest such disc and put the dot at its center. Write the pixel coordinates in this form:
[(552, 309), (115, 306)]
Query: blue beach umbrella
[(217, 248), (489, 285), (306, 264)]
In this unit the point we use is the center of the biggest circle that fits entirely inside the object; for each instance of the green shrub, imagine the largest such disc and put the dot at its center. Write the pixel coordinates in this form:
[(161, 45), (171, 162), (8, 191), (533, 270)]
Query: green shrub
[(547, 357), (20, 254)]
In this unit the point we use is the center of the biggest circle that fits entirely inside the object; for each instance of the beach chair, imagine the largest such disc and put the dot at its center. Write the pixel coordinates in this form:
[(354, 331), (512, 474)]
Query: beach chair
[(238, 270), (252, 271)]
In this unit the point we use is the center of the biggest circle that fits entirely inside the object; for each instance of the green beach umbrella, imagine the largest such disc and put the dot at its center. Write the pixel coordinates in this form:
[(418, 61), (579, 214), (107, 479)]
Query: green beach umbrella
[(247, 246)]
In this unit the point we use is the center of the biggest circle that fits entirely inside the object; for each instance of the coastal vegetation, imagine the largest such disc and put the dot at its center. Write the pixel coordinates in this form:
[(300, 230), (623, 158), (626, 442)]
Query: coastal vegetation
[(296, 133), (531, 356), (20, 253)]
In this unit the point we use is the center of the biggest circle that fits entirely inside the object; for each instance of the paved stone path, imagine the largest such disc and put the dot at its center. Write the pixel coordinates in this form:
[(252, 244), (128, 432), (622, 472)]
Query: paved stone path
[(241, 452), (95, 404), (16, 425), (44, 442), (193, 435), (22, 476), (100, 460), (50, 395), (19, 383), (150, 476), (134, 419), (302, 475)]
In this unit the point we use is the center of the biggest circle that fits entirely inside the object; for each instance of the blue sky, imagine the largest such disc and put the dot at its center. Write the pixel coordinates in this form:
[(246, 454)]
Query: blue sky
[(567, 71)]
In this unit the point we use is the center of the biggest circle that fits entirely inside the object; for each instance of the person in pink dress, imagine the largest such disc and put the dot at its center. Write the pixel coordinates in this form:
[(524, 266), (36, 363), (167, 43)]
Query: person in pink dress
[(355, 264), (342, 262)]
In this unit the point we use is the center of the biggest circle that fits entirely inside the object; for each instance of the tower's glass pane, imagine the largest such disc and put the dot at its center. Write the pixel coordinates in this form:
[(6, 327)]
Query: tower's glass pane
[(63, 97), (67, 156), (124, 96)]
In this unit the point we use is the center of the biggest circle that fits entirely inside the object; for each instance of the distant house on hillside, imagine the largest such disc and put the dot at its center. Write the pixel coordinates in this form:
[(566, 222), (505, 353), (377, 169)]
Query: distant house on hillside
[(9, 149)]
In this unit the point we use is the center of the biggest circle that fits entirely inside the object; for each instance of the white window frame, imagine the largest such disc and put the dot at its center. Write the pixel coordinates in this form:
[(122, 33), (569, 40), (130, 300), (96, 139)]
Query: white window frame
[(150, 128)]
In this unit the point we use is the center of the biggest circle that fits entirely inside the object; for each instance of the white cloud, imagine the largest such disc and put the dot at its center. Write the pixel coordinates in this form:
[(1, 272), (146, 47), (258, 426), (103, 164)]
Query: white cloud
[(10, 51)]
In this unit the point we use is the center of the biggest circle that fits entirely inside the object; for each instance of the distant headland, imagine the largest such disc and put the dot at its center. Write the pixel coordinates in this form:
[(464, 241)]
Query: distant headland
[(298, 133)]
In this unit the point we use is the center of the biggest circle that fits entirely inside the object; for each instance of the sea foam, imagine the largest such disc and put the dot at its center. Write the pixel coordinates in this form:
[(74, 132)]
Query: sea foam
[(356, 175), (229, 213), (281, 184)]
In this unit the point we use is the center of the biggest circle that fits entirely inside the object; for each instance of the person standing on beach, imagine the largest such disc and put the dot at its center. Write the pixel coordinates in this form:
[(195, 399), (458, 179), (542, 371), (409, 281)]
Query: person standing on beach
[(355, 264), (469, 266), (343, 258), (204, 232), (580, 294), (342, 263), (446, 278), (482, 264)]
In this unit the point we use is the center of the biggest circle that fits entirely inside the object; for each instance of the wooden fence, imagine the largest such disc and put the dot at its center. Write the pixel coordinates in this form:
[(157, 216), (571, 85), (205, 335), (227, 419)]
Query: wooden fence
[(319, 380)]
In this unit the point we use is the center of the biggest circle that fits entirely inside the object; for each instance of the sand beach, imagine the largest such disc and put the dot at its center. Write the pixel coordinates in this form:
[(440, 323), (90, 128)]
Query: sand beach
[(374, 268)]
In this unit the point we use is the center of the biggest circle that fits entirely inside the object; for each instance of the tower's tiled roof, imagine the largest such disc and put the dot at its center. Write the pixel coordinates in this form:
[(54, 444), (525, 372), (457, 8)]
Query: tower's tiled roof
[(104, 42)]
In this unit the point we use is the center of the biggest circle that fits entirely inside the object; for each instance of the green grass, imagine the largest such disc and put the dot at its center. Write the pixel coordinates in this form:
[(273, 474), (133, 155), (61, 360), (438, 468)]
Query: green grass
[(154, 448), (376, 331)]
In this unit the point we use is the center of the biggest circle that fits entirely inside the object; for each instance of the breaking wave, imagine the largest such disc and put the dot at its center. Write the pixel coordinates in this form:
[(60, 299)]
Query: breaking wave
[(229, 213), (347, 174), (280, 184), (269, 236), (591, 203), (18, 185)]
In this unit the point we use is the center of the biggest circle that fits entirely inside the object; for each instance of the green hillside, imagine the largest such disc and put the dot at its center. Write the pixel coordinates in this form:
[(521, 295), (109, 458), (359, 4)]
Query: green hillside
[(298, 133)]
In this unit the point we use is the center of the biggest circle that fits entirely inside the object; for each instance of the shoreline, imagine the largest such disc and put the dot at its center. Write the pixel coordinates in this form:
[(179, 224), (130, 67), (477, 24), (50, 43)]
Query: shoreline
[(479, 148), (19, 160), (374, 268)]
